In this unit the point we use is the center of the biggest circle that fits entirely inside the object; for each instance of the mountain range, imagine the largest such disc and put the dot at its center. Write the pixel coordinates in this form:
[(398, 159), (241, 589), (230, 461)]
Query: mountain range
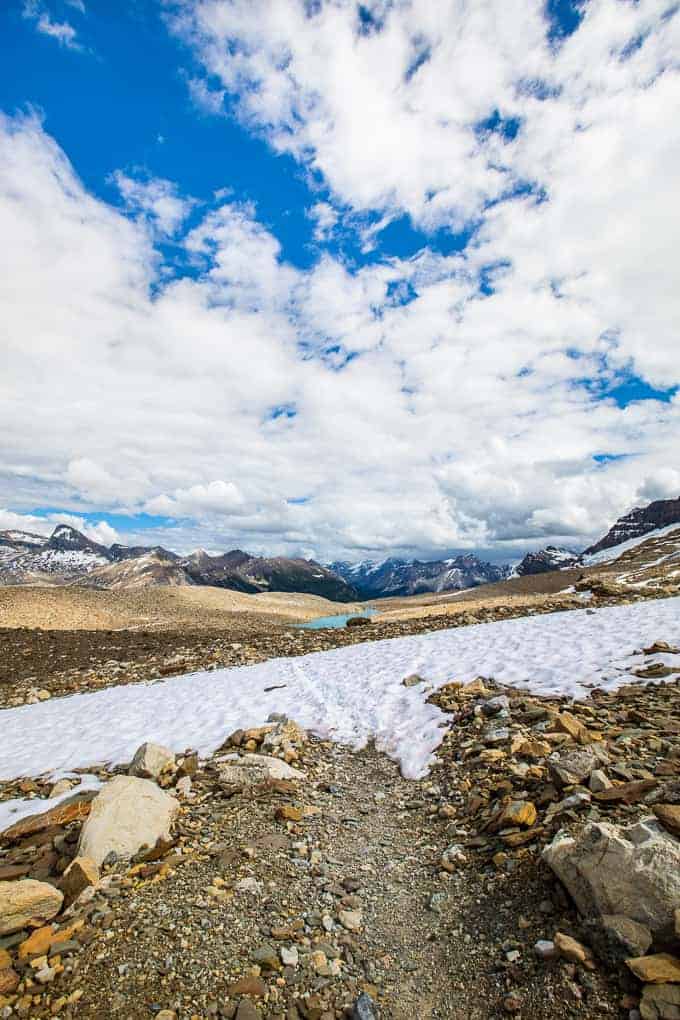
[(69, 557), (379, 579)]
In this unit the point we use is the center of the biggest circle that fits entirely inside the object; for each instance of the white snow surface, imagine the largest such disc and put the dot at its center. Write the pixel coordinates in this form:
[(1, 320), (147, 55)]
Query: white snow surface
[(349, 695)]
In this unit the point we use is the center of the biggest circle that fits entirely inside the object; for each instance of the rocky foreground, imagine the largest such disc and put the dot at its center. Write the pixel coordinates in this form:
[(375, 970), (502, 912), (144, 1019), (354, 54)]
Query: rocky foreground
[(535, 873)]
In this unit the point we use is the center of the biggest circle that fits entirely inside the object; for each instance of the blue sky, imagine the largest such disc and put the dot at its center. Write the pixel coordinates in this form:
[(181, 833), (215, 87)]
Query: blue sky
[(340, 280)]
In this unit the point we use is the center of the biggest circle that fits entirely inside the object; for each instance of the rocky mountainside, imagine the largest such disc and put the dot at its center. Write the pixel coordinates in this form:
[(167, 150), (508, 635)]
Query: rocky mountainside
[(240, 571), (551, 558), (414, 577), (639, 521), (68, 557)]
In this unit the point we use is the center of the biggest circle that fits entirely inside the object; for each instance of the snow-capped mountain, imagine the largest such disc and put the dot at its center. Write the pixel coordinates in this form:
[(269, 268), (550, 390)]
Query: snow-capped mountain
[(65, 556), (551, 558), (639, 521), (69, 557), (378, 579)]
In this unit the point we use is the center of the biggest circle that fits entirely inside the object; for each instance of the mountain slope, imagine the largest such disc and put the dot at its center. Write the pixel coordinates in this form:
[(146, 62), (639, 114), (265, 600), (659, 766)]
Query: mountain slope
[(639, 521), (242, 572)]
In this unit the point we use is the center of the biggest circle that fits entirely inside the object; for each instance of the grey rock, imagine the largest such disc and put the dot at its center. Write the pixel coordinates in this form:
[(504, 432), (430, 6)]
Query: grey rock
[(599, 781), (126, 815), (364, 1008), (574, 767)]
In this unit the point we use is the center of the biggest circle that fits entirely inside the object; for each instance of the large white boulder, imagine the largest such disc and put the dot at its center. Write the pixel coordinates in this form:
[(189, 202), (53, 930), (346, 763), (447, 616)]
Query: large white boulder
[(128, 814), (634, 872), (25, 901)]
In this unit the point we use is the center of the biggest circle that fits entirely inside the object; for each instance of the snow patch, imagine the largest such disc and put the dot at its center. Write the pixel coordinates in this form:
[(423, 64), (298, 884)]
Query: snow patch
[(349, 695)]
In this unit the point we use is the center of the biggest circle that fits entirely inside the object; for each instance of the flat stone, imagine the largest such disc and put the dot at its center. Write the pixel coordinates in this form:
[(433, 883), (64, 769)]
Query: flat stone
[(573, 768), (658, 969), (27, 901), (249, 985), (288, 813), (570, 949), (63, 814), (350, 919), (599, 781)]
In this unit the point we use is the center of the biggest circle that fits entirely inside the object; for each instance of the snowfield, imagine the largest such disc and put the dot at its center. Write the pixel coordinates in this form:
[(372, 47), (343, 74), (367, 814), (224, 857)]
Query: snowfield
[(348, 694)]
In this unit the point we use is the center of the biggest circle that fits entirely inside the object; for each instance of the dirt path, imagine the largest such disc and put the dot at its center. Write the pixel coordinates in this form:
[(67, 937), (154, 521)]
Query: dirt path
[(252, 890)]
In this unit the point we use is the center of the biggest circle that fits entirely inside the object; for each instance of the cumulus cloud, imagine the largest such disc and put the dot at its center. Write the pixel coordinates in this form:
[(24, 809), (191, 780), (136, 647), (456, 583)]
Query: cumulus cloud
[(409, 405)]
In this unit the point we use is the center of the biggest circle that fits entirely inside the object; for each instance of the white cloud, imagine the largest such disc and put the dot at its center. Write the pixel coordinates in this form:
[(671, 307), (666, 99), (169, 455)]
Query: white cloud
[(101, 532), (156, 199), (397, 407), (326, 218), (62, 31)]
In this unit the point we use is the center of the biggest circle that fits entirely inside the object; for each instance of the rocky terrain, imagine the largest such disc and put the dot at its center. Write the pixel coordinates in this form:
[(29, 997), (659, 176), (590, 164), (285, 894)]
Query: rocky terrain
[(532, 873)]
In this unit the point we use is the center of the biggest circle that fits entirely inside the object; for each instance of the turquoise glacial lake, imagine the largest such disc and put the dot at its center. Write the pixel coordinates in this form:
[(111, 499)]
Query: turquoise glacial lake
[(333, 621)]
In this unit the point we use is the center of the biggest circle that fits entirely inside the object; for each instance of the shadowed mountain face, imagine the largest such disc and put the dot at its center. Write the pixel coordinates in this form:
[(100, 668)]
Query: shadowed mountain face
[(639, 521)]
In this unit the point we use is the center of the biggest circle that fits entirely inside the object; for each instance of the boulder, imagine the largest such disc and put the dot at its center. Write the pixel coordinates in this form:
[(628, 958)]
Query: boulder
[(634, 872), (26, 901), (128, 814), (150, 760)]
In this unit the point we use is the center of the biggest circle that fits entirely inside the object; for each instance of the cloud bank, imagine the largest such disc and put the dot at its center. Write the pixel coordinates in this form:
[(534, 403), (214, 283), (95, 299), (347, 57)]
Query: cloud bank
[(423, 404)]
